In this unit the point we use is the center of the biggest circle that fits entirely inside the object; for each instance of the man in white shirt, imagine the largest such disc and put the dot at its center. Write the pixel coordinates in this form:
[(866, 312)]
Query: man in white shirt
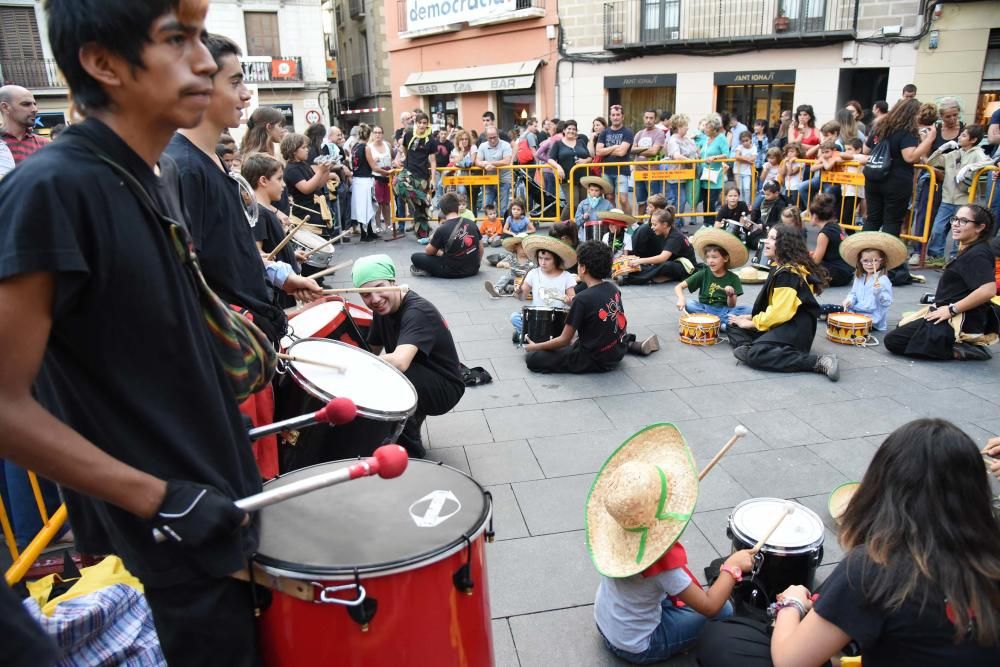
[(493, 153)]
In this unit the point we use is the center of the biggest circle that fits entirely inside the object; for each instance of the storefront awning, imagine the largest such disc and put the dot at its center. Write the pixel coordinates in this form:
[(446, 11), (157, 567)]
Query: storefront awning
[(508, 76)]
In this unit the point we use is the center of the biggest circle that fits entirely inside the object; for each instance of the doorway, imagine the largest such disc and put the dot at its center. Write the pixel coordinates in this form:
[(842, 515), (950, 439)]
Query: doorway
[(866, 85), (758, 101)]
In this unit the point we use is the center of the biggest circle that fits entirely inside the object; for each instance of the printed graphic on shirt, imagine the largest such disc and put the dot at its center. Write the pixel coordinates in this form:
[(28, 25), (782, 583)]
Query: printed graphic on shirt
[(614, 313)]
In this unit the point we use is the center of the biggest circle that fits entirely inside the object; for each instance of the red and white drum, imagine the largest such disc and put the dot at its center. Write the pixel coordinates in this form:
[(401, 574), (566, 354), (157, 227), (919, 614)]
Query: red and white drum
[(398, 567), (330, 317)]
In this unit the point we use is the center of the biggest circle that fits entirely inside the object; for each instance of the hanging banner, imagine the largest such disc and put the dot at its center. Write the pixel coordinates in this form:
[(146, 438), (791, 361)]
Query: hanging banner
[(425, 14)]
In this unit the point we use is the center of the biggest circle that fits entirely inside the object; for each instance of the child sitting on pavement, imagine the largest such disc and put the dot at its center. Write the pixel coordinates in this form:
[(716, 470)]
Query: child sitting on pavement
[(517, 222), (716, 285), (491, 228), (549, 285), (517, 263), (872, 253)]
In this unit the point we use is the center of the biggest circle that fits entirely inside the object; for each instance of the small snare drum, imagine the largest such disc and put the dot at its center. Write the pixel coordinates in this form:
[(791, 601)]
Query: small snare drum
[(848, 328), (307, 241), (623, 266), (594, 230), (541, 324), (699, 329)]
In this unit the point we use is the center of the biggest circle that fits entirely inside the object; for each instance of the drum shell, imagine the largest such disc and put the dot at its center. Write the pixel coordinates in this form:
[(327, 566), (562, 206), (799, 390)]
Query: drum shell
[(691, 331), (777, 572), (542, 324), (595, 230), (848, 332), (338, 328)]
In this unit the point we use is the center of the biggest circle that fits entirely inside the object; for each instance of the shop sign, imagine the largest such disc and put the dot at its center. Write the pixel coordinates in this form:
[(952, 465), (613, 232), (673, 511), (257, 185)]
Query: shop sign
[(641, 81), (758, 77), (426, 14), (476, 85)]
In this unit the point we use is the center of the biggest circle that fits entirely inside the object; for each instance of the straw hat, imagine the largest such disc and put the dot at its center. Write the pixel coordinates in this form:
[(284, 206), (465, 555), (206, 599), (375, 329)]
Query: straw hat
[(536, 242), (510, 243), (601, 182), (616, 217), (738, 253), (840, 498), (641, 501), (894, 249), (750, 275)]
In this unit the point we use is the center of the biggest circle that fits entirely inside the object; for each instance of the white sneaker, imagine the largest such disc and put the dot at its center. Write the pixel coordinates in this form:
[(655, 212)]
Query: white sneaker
[(914, 260)]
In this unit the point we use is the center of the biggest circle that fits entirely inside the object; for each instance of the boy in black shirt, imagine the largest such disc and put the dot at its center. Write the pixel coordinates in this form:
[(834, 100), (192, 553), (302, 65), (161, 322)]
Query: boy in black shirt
[(109, 330), (411, 335), (456, 248), (598, 316)]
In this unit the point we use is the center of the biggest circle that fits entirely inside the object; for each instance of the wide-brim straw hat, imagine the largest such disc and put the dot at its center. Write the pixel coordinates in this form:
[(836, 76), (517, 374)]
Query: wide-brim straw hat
[(738, 253), (750, 275), (536, 242), (616, 217), (601, 182), (510, 243), (840, 498), (641, 501), (893, 249)]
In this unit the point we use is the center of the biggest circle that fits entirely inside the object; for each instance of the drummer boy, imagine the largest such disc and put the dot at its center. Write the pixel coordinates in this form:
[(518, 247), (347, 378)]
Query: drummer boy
[(716, 285)]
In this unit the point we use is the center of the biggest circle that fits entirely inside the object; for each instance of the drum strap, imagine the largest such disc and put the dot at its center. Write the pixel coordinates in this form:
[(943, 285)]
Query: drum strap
[(296, 588)]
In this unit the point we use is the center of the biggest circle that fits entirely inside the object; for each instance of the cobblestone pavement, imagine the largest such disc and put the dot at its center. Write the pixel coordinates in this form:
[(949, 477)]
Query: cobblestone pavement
[(535, 441)]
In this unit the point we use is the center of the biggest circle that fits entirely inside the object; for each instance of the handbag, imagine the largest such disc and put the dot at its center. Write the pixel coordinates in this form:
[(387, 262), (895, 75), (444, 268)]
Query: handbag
[(879, 162)]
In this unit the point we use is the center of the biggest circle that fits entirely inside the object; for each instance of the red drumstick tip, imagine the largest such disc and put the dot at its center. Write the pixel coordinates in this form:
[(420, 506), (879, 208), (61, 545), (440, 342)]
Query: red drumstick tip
[(392, 461), (338, 411)]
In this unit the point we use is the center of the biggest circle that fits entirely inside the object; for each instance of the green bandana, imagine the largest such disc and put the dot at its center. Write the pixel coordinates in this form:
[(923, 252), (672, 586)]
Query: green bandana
[(371, 268)]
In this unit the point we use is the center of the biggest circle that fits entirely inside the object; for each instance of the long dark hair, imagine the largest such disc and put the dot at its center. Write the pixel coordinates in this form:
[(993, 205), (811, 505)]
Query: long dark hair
[(790, 248), (982, 216), (316, 134), (256, 139), (902, 117), (923, 513)]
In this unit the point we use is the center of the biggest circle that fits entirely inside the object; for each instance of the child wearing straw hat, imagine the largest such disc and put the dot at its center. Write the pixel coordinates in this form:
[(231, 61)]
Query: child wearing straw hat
[(717, 286), (549, 284), (517, 264), (598, 188), (871, 254), (648, 605)]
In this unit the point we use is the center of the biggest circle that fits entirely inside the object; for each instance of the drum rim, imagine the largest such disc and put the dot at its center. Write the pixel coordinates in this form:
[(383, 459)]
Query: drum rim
[(315, 305), (279, 567), (812, 547), (372, 413)]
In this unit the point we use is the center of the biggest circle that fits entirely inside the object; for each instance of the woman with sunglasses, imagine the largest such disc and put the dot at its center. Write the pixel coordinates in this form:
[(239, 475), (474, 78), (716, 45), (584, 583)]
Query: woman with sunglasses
[(962, 321)]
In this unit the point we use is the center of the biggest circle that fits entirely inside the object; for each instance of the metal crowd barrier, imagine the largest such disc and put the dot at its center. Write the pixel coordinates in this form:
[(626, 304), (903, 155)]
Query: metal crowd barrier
[(23, 560), (994, 184)]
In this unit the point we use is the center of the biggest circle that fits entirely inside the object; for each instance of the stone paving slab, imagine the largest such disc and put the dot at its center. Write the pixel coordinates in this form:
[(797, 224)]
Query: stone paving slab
[(562, 637), (496, 394), (561, 387), (635, 411), (508, 521), (782, 473), (503, 462), (504, 652), (552, 418), (554, 505), (577, 453)]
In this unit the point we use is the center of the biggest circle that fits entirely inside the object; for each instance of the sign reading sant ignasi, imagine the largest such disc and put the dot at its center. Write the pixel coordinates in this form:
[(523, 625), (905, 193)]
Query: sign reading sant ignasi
[(425, 14), (766, 76)]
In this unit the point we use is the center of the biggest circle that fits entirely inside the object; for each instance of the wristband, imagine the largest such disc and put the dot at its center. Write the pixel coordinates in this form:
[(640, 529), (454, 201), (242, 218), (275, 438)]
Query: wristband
[(775, 608), (952, 310), (736, 572)]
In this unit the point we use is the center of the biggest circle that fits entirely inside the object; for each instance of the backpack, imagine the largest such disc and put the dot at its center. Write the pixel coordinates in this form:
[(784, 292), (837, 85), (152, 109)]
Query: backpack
[(879, 162), (524, 154)]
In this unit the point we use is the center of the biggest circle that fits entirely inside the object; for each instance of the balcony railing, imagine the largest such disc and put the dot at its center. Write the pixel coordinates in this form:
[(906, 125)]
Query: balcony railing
[(355, 83), (272, 69), (33, 74), (519, 10), (357, 8), (684, 24)]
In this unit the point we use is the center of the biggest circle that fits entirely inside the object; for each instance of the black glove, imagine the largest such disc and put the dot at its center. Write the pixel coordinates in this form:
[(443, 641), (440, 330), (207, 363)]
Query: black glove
[(194, 514)]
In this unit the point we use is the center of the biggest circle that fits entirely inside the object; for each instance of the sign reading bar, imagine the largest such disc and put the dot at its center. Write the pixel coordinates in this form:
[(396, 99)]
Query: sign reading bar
[(661, 175), (426, 14), (748, 78), (471, 180), (641, 81), (476, 85)]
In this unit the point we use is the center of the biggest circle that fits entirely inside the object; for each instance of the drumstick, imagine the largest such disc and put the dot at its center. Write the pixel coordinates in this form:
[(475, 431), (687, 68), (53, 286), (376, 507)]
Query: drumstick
[(332, 269), (738, 433), (284, 241), (402, 289), (306, 208), (788, 509), (314, 362), (333, 240)]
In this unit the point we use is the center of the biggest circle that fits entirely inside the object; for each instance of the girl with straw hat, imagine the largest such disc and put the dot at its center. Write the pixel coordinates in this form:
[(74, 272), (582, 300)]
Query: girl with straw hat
[(871, 254), (549, 284), (716, 285), (649, 606)]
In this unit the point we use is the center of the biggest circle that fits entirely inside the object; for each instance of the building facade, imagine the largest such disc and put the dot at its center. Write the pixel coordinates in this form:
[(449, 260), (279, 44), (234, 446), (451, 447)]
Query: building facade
[(751, 57), (285, 56), (458, 59), (363, 92)]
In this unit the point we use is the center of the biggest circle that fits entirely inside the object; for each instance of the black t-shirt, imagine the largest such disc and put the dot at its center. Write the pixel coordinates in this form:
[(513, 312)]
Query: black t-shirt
[(968, 272), (598, 315), (359, 161), (726, 213), (566, 156), (465, 245), (645, 242), (297, 172), (832, 261), (270, 233), (678, 245), (417, 154), (130, 363), (910, 636), (418, 323), (222, 236), (899, 170)]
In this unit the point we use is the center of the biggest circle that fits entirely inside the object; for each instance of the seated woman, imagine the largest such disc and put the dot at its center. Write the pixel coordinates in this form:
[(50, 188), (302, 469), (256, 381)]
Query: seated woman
[(827, 252), (661, 251), (961, 322), (911, 590), (778, 336)]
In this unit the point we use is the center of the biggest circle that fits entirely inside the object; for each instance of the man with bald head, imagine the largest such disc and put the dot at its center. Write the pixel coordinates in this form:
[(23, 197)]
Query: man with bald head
[(17, 113)]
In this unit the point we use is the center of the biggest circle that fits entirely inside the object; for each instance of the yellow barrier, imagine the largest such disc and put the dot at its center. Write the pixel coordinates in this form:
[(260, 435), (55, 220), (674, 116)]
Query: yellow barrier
[(23, 560), (994, 182)]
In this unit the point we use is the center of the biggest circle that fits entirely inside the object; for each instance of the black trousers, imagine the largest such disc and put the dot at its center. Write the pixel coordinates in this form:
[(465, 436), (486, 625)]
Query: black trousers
[(671, 269), (206, 622), (887, 203), (922, 339), (436, 395), (770, 356), (573, 359), (735, 642), (445, 267)]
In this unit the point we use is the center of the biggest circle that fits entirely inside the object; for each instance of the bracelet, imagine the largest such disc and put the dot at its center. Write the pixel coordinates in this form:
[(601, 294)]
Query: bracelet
[(953, 310), (776, 607)]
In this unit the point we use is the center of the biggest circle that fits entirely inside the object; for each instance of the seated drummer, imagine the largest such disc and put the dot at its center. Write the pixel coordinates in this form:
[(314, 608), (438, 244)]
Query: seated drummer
[(778, 336), (717, 286), (456, 248), (410, 333), (549, 284), (661, 251), (598, 316), (766, 214)]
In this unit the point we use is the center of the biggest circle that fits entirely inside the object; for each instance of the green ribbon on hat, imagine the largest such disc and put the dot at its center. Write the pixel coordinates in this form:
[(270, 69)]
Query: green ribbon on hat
[(660, 515), (371, 268)]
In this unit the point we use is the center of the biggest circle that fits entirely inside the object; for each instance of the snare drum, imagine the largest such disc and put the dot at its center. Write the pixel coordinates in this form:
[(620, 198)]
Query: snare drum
[(790, 556), (595, 230), (848, 328), (541, 324), (699, 329), (733, 227), (330, 317), (306, 241), (623, 266), (384, 396), (397, 566), (758, 259)]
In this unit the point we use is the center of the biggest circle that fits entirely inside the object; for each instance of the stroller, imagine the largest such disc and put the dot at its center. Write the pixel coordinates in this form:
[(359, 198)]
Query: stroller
[(541, 204)]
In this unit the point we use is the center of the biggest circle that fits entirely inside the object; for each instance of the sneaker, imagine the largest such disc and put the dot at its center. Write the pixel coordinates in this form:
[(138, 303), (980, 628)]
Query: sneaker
[(650, 345), (491, 289), (828, 365), (969, 352), (914, 259), (934, 262), (414, 271), (516, 338), (741, 353), (424, 241)]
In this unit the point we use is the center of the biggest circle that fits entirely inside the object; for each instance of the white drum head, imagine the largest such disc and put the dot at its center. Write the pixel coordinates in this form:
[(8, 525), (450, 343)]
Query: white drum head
[(801, 530), (375, 386), (308, 239)]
